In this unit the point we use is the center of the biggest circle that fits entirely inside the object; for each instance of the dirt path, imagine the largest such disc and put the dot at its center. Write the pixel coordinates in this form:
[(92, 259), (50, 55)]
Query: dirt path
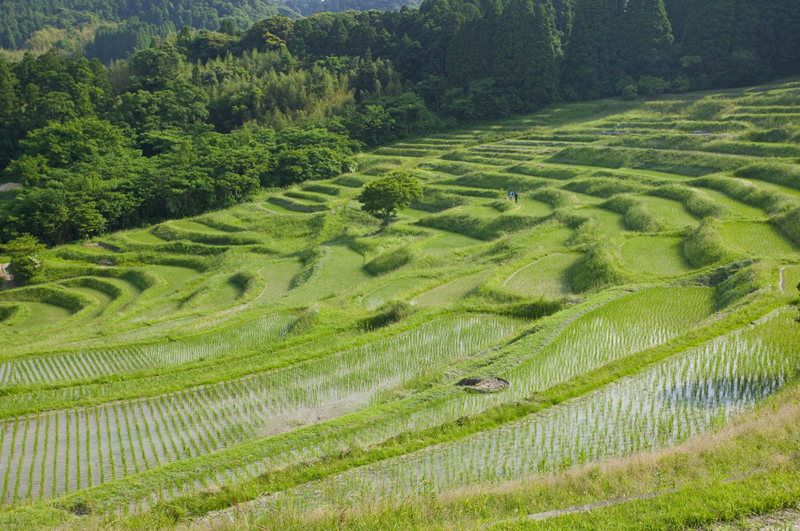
[(782, 283), (523, 268)]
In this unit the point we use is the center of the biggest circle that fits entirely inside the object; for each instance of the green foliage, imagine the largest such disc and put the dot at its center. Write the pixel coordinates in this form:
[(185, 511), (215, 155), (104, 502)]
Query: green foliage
[(437, 201), (480, 227), (630, 92), (547, 172), (790, 224), (604, 187), (555, 197), (741, 284), (25, 255), (772, 172), (390, 260), (772, 202), (704, 246), (651, 86), (533, 310), (636, 216), (322, 189), (57, 296), (502, 182), (693, 201), (599, 268), (245, 280), (351, 181), (691, 165), (502, 205), (383, 197), (388, 314)]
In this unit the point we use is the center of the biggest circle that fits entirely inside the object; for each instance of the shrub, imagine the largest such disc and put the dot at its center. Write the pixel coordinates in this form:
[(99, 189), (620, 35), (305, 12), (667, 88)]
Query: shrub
[(502, 205), (681, 85), (169, 232), (244, 280), (322, 189), (313, 261), (789, 223), (350, 181), (693, 201), (740, 284), (749, 194), (689, 164), (707, 109), (604, 187), (7, 312), (389, 313), (631, 92), (652, 86), (636, 217), (554, 197), (548, 172), (306, 196), (533, 310), (25, 255), (74, 301), (703, 246), (599, 268), (500, 181), (438, 201), (772, 172), (482, 228), (294, 206), (390, 260)]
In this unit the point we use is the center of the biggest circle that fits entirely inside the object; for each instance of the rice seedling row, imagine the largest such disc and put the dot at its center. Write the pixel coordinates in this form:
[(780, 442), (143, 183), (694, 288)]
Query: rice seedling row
[(685, 396), (451, 291), (655, 255), (545, 277), (617, 329), (137, 435), (671, 213), (767, 239), (342, 270), (128, 359)]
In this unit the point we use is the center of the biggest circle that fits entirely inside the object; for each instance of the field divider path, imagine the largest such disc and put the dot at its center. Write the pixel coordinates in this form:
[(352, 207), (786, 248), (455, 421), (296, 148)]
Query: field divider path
[(589, 507), (523, 268)]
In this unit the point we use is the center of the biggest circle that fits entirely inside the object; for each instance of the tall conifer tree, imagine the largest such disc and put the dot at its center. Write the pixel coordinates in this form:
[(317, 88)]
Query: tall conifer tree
[(646, 40), (588, 55), (721, 45)]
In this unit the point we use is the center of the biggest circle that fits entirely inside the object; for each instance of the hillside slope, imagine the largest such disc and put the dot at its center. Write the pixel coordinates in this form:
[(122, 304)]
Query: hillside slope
[(285, 359)]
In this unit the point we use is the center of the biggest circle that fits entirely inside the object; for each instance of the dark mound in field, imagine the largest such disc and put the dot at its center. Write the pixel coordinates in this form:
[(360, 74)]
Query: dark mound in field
[(485, 385)]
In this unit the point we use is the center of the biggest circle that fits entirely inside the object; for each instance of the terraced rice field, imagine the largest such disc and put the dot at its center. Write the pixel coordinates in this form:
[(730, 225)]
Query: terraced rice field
[(660, 256), (451, 291), (546, 277), (765, 239), (671, 213), (680, 398), (251, 348), (137, 435)]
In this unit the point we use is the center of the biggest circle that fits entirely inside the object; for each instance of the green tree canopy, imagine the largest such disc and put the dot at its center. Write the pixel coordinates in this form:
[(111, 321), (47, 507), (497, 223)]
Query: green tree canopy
[(24, 252), (383, 197)]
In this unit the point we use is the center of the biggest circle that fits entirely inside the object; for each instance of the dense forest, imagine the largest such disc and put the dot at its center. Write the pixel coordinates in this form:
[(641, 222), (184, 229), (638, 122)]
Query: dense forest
[(125, 25), (201, 119)]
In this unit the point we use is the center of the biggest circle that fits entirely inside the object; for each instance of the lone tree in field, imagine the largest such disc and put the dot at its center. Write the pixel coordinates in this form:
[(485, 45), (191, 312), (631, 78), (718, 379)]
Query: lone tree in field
[(383, 197), (24, 254)]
